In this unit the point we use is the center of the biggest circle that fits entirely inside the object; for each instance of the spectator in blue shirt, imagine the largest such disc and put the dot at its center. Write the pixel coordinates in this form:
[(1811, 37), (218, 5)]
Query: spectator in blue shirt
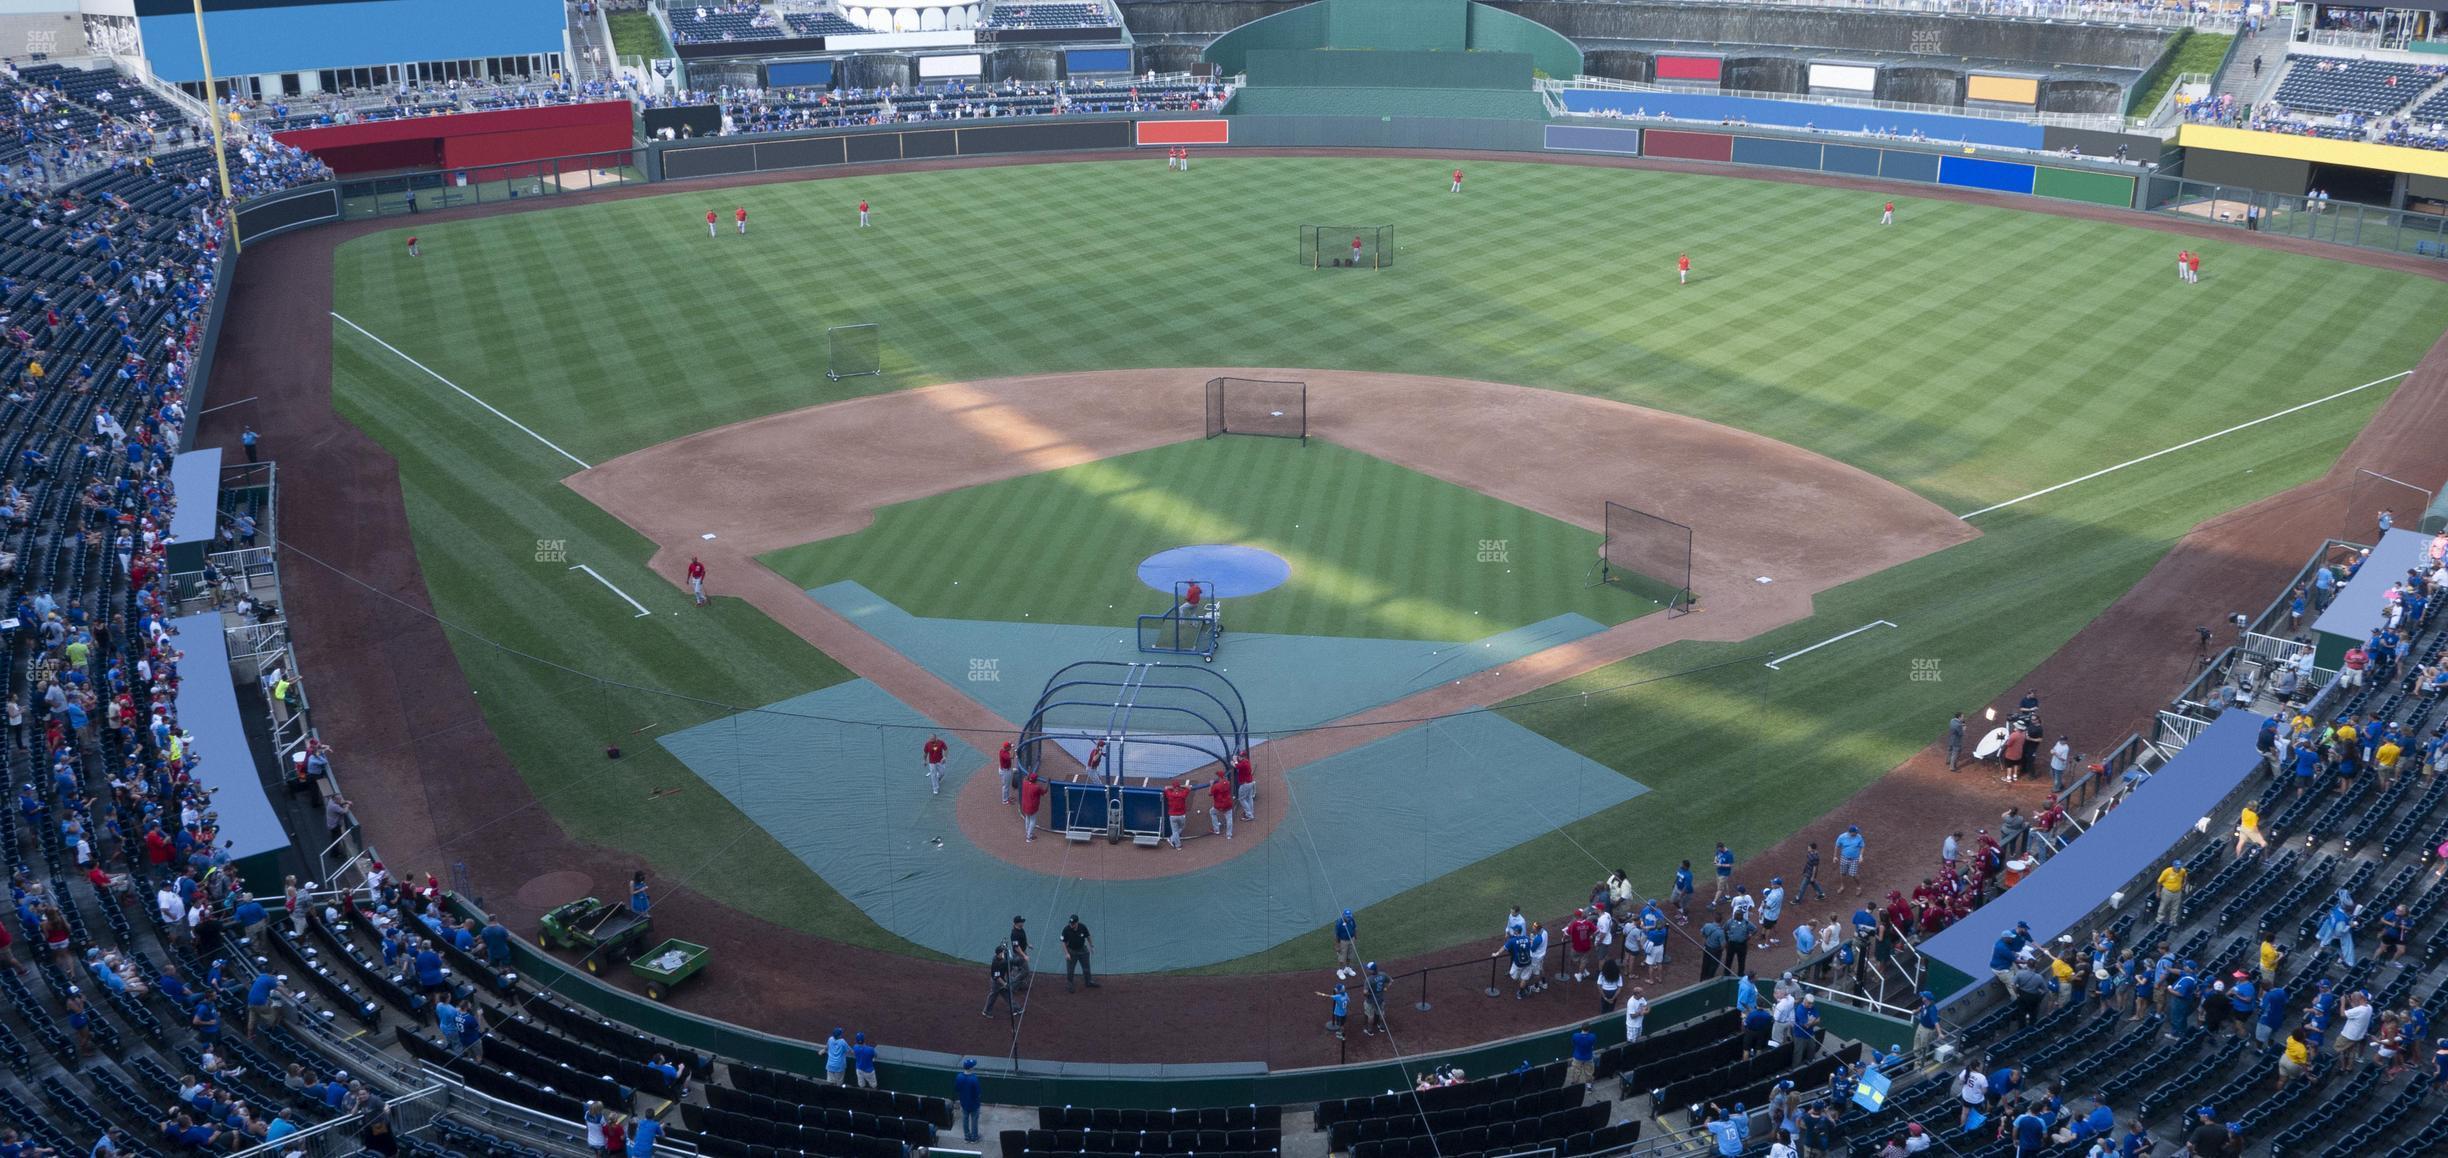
[(862, 1061), (496, 943), (1584, 1057), (965, 1091), (1732, 1130)]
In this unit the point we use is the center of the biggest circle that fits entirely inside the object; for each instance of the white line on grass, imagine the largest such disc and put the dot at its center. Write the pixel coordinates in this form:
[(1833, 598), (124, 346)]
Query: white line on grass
[(642, 612), (582, 463), (1772, 664), (2182, 445)]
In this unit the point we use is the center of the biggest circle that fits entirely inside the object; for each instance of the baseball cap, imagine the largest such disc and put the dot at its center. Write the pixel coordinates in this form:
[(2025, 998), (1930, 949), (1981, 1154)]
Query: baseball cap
[(860, 1036), (968, 1063)]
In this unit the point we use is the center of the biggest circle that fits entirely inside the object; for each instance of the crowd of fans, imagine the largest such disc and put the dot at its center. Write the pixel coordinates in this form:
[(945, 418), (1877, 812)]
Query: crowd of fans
[(783, 109)]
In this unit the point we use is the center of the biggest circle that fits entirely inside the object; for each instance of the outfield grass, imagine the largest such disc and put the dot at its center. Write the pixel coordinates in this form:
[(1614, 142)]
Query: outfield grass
[(1969, 353), (1377, 551), (635, 33)]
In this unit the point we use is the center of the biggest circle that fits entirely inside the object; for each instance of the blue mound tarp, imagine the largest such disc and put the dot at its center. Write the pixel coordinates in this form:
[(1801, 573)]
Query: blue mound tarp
[(1803, 114)]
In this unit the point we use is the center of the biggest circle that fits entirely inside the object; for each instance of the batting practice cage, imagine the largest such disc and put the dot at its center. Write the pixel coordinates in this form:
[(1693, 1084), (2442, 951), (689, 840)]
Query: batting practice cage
[(1256, 406), (1644, 545), (1107, 737), (853, 351), (1346, 246)]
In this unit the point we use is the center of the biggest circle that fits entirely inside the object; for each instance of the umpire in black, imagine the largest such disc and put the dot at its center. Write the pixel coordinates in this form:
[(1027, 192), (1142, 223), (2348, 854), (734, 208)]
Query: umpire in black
[(1077, 943)]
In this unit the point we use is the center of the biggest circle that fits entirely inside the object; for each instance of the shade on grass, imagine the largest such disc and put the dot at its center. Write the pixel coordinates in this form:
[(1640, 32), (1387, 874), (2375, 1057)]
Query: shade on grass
[(1969, 353), (1377, 551)]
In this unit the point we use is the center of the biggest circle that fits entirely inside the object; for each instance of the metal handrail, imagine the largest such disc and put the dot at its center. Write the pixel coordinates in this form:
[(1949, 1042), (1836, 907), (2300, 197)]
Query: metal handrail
[(2103, 121), (2058, 11)]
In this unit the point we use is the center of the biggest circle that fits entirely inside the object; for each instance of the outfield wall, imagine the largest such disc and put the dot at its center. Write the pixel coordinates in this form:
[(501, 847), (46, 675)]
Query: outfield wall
[(1921, 164), (1797, 114)]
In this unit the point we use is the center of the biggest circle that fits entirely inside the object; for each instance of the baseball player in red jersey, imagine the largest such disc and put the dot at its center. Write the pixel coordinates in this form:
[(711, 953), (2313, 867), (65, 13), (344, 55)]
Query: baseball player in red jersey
[(1192, 597), (1177, 808), (412, 246), (1245, 785), (740, 215), (1683, 269), (1185, 158), (1173, 158), (711, 231), (1220, 806), (862, 215), (2184, 264), (934, 751), (696, 578), (1457, 181), (1887, 215), (2192, 267), (1032, 796), (1003, 768), (1355, 251)]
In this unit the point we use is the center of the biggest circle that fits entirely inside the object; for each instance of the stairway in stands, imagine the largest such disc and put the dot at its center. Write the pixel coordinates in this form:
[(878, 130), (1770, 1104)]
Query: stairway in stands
[(2270, 44)]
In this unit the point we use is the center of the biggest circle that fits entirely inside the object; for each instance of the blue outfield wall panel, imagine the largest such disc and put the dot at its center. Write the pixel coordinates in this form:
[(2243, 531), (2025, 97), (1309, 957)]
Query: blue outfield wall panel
[(1854, 159), (799, 74), (1590, 139), (306, 37), (1802, 114), (1097, 60), (1898, 165), (1783, 154), (1982, 173)]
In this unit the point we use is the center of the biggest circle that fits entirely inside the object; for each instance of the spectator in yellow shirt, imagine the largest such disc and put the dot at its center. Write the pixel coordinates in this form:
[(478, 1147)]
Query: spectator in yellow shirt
[(2385, 757), (2248, 829), (2298, 1055), (2269, 961), (2171, 892)]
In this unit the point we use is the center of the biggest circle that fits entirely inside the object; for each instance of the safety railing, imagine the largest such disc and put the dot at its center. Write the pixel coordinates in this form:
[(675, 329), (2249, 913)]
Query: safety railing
[(2105, 122), (2154, 15), (410, 1114), (2171, 104)]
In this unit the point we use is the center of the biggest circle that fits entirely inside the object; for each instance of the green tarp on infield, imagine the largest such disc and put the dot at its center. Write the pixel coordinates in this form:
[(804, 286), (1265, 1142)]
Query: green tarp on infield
[(1289, 681)]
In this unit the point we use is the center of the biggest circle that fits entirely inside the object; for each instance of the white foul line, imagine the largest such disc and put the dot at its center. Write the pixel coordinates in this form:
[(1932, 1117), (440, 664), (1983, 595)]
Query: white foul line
[(2183, 445), (582, 463), (642, 612), (1772, 664)]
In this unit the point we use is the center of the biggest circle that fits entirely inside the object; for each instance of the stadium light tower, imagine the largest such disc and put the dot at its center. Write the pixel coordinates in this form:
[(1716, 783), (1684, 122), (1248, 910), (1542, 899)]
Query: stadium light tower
[(212, 117)]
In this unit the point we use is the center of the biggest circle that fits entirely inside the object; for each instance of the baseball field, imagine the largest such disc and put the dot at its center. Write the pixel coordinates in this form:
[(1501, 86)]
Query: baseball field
[(1966, 357)]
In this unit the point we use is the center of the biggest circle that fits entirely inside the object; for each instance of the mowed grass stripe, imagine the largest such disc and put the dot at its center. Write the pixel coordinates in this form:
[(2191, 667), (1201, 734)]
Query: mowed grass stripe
[(1969, 353)]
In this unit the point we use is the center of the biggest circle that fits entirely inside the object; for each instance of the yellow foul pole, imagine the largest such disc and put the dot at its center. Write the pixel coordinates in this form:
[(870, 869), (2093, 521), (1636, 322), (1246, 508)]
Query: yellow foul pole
[(212, 107)]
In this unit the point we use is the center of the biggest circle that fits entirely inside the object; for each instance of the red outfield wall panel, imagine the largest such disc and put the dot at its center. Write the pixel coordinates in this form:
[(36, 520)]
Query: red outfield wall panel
[(467, 140), (1215, 132), (1708, 68), (1687, 146)]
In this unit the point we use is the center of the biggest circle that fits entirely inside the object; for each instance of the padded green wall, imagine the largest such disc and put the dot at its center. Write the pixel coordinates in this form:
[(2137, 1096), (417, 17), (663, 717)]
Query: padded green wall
[(1297, 28), (2078, 185), (1398, 25), (1496, 30), (1433, 25), (1327, 67)]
